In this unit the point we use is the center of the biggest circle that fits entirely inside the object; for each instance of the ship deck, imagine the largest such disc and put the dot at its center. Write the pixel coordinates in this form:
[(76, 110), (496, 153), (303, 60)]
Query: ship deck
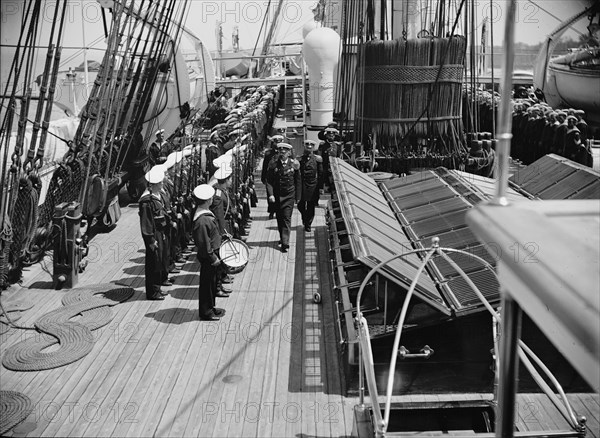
[(268, 368)]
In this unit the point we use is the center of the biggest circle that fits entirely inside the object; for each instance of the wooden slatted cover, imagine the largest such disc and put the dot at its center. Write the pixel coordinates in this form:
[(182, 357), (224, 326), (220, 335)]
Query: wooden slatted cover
[(375, 234), (437, 208)]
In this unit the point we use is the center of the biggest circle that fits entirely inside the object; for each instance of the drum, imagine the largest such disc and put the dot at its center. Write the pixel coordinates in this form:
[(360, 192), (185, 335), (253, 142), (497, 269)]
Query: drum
[(235, 254)]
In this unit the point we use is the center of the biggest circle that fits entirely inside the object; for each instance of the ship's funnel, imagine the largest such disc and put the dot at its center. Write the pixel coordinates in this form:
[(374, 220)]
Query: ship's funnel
[(321, 50)]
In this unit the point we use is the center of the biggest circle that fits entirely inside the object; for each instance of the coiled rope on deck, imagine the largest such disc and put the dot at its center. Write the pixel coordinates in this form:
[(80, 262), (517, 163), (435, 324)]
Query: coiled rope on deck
[(91, 305), (14, 408)]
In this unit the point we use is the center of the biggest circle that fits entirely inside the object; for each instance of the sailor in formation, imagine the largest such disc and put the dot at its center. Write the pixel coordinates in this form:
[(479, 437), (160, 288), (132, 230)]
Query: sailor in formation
[(153, 225), (207, 239), (283, 190), (220, 207)]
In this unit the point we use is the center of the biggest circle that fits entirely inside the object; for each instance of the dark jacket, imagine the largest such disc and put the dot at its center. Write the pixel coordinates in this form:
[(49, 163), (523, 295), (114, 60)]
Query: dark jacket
[(153, 218), (219, 206), (207, 237), (283, 180), (269, 154), (311, 174)]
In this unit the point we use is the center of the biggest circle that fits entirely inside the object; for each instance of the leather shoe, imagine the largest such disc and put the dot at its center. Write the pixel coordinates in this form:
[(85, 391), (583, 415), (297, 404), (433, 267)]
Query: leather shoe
[(163, 293), (157, 298), (221, 294), (307, 228), (210, 318), (217, 311), (284, 248), (175, 271), (167, 283), (227, 279)]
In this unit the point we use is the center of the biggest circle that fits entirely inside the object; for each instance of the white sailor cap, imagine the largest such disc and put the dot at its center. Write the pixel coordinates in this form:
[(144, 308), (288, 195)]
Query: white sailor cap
[(159, 132), (284, 146), (223, 160), (277, 138), (204, 192), (223, 172), (170, 162), (155, 175), (175, 157)]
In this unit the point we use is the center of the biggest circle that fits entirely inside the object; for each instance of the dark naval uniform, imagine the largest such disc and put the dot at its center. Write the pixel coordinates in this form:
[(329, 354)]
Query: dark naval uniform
[(269, 154), (218, 207), (153, 224), (311, 173), (326, 150), (207, 239), (158, 152), (283, 182)]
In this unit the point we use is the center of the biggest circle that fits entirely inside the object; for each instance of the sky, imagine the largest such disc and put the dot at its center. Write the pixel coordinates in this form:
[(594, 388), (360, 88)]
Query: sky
[(533, 22)]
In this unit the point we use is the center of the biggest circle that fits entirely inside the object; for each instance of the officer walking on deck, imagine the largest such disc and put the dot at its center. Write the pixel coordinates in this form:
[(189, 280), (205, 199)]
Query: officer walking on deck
[(311, 175), (327, 149), (269, 154), (283, 189)]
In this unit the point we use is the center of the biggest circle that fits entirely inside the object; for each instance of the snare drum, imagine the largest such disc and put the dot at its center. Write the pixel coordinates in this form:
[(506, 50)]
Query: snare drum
[(235, 254)]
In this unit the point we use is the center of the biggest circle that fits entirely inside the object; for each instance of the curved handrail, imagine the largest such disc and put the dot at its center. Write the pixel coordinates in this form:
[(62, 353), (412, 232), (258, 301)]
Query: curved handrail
[(525, 352)]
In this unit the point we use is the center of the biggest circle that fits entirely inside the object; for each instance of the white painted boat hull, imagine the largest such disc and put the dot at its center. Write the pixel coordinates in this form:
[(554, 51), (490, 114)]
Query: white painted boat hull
[(571, 88)]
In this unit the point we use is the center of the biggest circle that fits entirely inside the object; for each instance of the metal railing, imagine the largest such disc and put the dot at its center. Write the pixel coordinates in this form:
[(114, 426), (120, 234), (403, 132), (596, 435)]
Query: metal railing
[(366, 365)]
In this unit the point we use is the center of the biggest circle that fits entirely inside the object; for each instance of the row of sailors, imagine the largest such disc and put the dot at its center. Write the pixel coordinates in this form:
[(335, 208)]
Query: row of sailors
[(166, 235), (539, 130), (243, 124)]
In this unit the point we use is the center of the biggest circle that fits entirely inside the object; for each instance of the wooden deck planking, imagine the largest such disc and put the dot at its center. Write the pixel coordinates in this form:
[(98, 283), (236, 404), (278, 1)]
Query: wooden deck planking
[(221, 407), (250, 366), (54, 380), (173, 358), (290, 372), (263, 386), (338, 413), (157, 392), (232, 410), (53, 376), (587, 405), (531, 415), (237, 399)]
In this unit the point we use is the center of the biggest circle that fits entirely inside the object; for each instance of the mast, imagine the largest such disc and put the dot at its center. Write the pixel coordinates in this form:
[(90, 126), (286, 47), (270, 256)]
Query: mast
[(505, 110), (269, 35), (86, 76), (219, 38)]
